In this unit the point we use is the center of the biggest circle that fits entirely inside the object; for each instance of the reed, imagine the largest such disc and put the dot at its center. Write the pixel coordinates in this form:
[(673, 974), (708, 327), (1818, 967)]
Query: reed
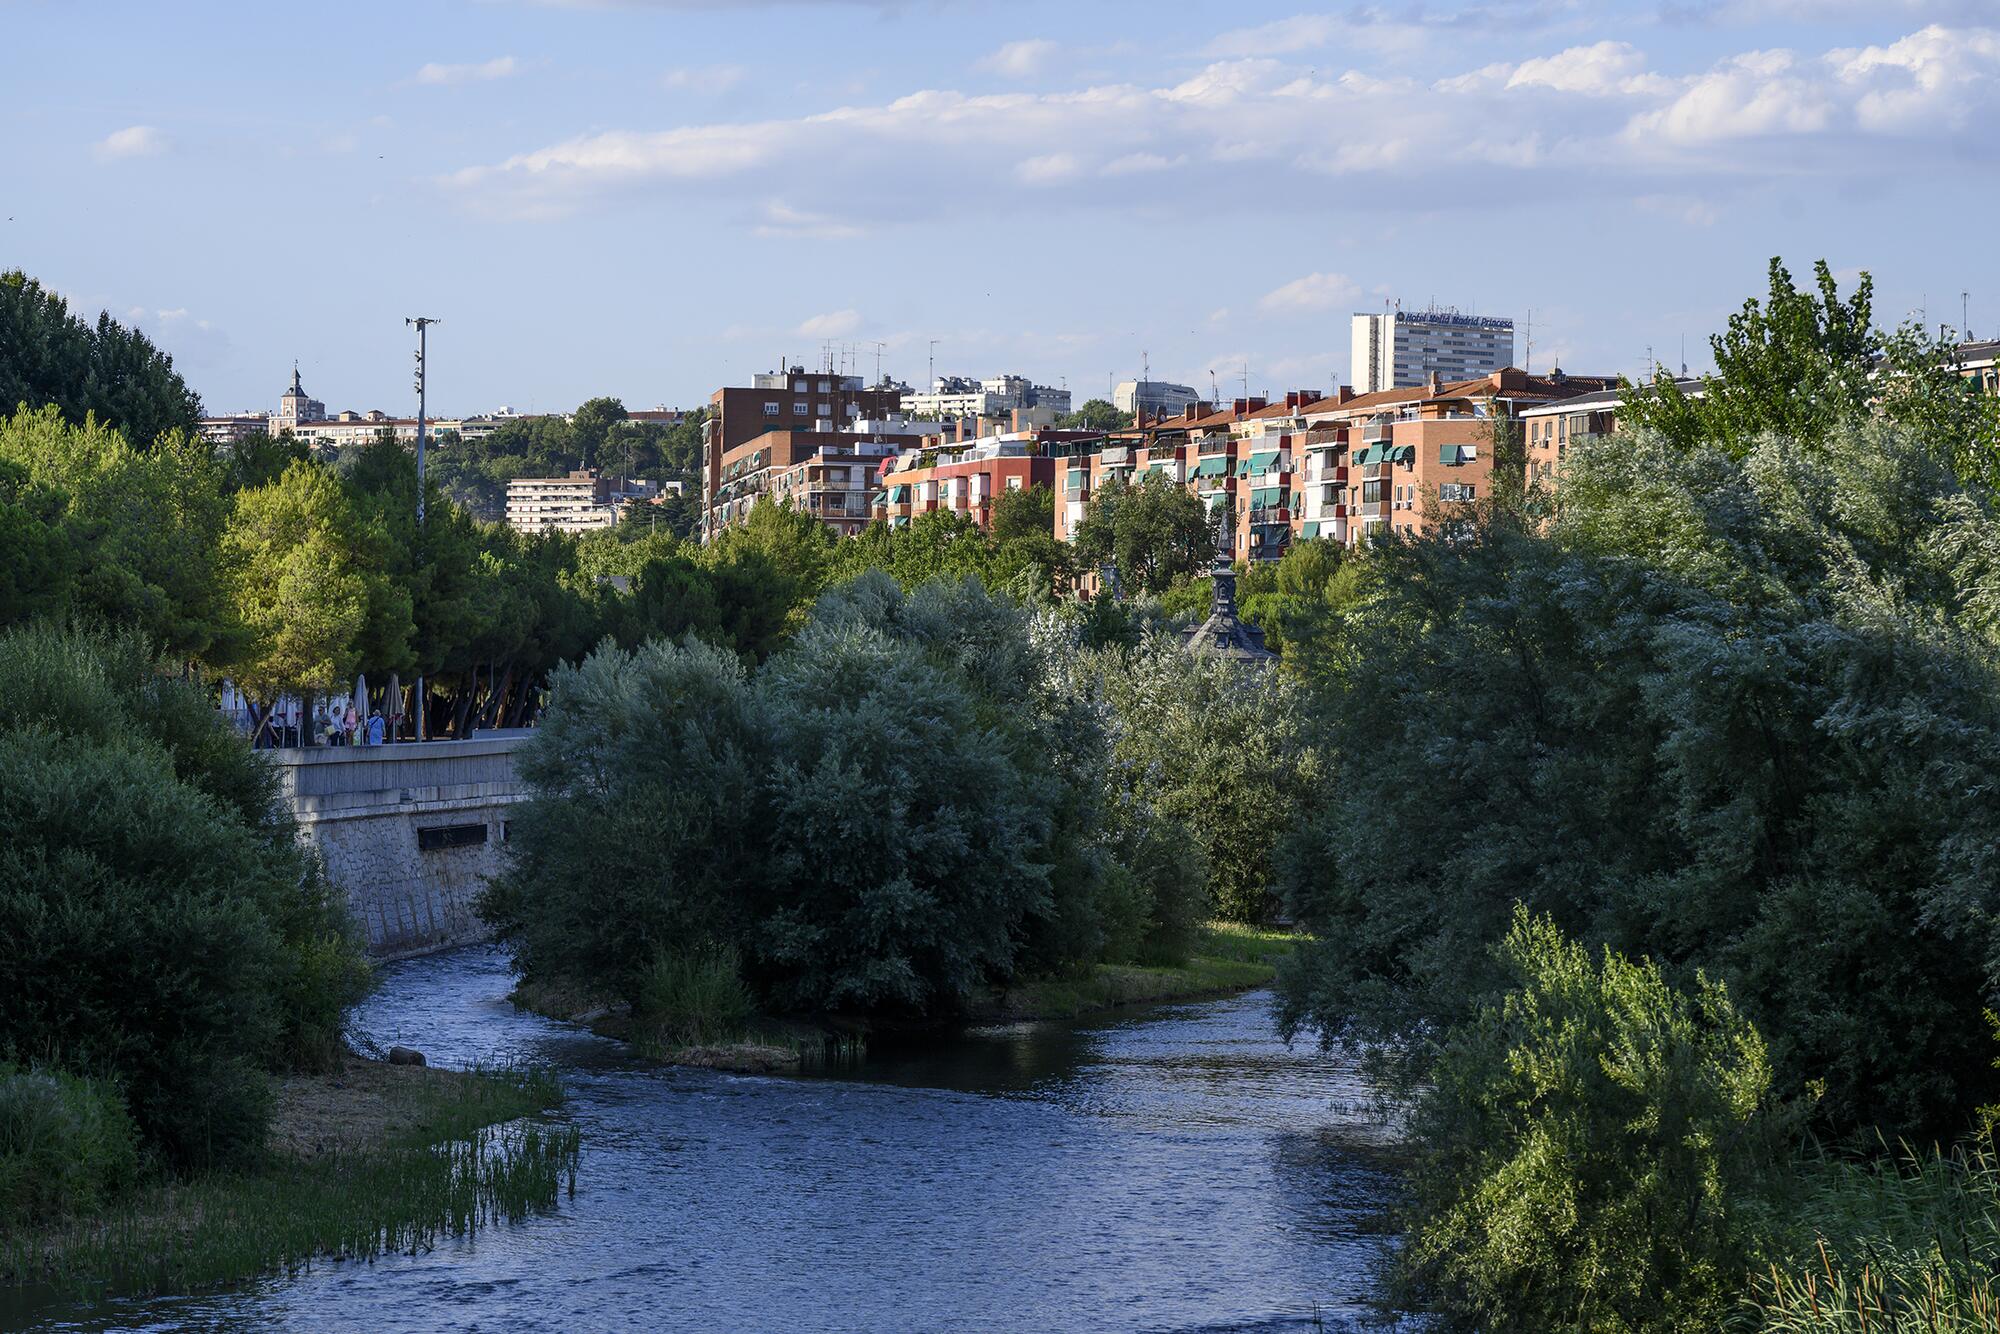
[(1908, 1244), (452, 1174)]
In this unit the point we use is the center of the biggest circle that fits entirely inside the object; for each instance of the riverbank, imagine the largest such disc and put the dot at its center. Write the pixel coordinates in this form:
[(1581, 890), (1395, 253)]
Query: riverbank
[(362, 1161), (1228, 958)]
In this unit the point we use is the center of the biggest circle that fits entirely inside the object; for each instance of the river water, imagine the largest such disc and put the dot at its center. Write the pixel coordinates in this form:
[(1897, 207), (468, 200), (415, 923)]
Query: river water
[(1175, 1170)]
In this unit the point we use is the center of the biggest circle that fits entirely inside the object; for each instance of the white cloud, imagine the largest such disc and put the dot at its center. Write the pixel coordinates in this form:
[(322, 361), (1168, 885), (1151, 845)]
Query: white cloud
[(833, 324), (1935, 75), (1247, 127), (446, 75), (1133, 164), (1048, 169), (132, 141), (704, 78), (1598, 70), (1315, 291), (1021, 60), (781, 219), (1757, 93)]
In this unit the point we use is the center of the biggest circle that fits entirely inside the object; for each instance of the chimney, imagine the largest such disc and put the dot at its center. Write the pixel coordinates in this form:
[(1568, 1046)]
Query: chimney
[(1434, 384)]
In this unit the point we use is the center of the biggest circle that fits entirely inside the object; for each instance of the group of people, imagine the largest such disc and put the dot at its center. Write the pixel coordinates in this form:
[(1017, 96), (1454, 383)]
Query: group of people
[(330, 722), (346, 727)]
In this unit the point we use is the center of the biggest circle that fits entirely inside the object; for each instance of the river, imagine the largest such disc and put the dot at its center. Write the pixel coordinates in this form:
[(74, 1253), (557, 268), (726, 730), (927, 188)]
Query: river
[(1177, 1169)]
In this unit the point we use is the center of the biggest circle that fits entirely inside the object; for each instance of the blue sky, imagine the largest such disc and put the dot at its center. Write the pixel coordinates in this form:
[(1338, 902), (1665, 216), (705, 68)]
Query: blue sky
[(652, 199)]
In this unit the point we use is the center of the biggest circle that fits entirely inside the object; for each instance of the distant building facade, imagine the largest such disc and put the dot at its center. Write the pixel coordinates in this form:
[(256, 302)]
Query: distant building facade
[(956, 396), (578, 503), (1152, 399), (1400, 349)]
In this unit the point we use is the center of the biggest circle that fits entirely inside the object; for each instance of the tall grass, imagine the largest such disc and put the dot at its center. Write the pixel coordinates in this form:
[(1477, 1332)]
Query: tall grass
[(450, 1175), (1907, 1244), (695, 997)]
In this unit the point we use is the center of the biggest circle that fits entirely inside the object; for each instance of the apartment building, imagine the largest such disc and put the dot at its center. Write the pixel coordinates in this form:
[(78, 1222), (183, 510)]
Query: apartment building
[(234, 426), (578, 503), (1398, 349), (1980, 363), (954, 397), (788, 401), (1405, 447), (831, 473), (965, 478), (1551, 428), (1148, 400)]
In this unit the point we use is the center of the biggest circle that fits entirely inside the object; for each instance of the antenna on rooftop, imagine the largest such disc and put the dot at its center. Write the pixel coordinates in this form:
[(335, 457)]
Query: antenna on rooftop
[(878, 345), (1964, 317), (933, 383), (1528, 347)]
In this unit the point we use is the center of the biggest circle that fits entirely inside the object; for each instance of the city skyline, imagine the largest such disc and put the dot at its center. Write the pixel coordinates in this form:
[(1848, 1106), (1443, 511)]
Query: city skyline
[(653, 199)]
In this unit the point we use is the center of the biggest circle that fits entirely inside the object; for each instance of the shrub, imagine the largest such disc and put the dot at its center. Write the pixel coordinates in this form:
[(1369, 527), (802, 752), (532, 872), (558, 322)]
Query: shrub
[(902, 871), (695, 995), (67, 1145), (1595, 1151), (644, 830), (164, 926)]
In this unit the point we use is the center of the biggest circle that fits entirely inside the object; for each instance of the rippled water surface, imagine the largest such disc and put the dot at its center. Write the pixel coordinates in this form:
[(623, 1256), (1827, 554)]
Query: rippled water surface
[(1175, 1170)]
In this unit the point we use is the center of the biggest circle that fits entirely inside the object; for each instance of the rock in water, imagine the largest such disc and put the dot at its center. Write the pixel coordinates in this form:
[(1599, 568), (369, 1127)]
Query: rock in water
[(406, 1056)]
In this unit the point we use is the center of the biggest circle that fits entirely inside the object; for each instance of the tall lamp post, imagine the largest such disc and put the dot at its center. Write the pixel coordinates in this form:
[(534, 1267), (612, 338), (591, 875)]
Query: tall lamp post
[(422, 322)]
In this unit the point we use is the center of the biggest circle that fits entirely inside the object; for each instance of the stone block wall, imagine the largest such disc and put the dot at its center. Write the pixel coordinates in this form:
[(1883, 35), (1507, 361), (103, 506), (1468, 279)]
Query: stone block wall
[(372, 810)]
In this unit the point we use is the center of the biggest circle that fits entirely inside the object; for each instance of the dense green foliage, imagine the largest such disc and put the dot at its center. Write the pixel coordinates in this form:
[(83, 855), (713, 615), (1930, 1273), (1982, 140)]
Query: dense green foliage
[(1724, 715), (67, 1144), (1154, 530), (1095, 414), (1726, 706), (599, 434), (939, 766), (1592, 1148), (51, 358), (1217, 751), (165, 928)]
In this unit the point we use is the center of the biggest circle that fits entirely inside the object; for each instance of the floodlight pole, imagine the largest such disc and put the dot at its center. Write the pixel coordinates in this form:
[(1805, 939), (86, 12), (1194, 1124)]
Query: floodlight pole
[(422, 322)]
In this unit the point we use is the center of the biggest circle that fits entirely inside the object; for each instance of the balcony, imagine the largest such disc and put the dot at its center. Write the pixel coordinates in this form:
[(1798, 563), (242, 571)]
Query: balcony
[(1375, 433), (1265, 516)]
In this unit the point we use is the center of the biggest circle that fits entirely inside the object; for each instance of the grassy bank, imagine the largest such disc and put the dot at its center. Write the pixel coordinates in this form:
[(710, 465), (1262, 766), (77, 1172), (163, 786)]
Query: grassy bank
[(1228, 956), (369, 1160)]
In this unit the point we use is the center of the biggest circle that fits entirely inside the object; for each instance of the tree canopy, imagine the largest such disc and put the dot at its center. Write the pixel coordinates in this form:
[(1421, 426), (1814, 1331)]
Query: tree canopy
[(51, 358)]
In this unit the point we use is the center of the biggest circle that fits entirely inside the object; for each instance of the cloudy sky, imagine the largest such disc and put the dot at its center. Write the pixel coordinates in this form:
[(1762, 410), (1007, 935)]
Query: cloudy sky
[(653, 198)]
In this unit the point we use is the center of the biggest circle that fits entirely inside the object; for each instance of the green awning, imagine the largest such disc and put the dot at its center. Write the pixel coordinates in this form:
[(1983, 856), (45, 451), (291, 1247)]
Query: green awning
[(1159, 465), (1215, 467), (1365, 455), (897, 494), (1262, 461), (1449, 454), (1310, 528), (1267, 497), (1403, 453)]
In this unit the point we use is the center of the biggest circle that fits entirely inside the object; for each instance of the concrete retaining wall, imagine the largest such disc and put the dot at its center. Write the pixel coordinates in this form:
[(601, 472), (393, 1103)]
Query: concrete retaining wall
[(371, 809)]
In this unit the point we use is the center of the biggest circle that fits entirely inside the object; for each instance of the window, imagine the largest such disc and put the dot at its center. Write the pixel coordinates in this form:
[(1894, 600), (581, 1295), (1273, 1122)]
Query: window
[(826, 409), (824, 386), (1371, 492), (770, 407), (801, 409), (1014, 482), (450, 836)]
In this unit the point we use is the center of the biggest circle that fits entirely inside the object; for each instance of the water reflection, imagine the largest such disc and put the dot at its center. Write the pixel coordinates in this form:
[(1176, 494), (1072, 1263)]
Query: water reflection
[(1178, 1170)]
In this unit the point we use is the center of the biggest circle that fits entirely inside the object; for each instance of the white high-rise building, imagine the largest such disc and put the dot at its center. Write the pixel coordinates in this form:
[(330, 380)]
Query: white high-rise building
[(1153, 398), (1399, 349)]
